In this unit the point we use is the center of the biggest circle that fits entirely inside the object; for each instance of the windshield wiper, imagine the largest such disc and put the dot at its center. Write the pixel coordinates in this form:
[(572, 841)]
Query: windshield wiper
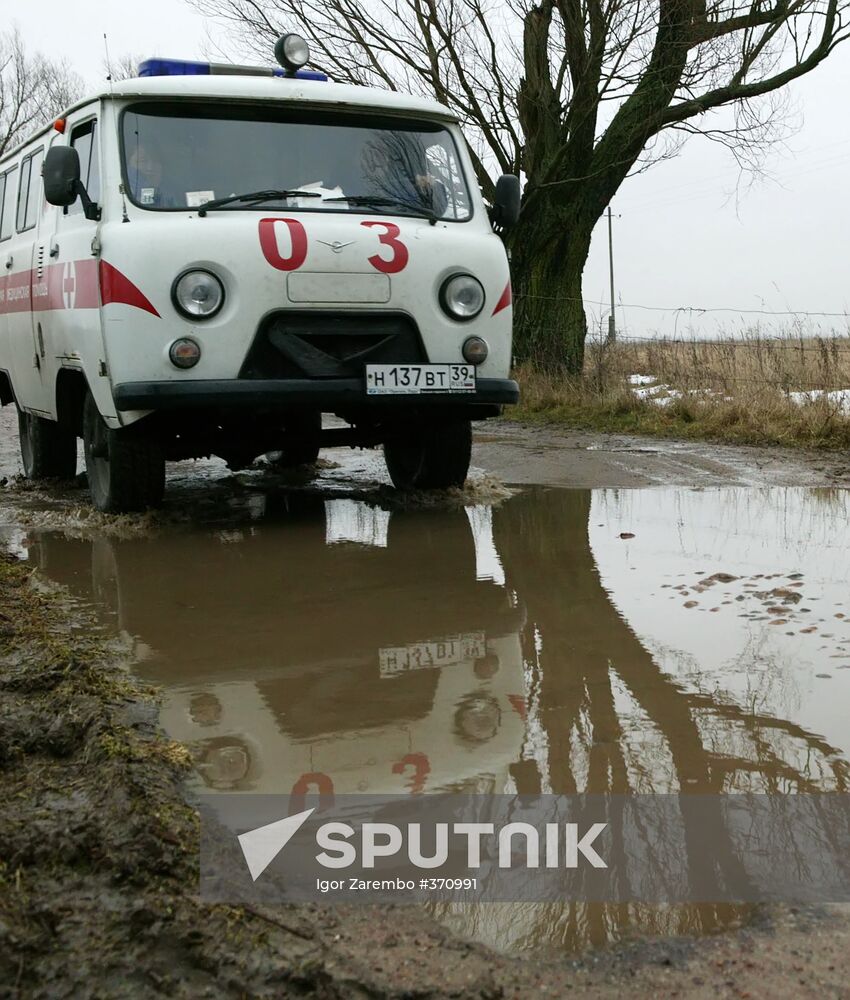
[(254, 197), (380, 200)]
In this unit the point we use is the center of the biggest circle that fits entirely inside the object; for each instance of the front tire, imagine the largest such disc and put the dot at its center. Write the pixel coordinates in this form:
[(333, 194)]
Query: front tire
[(48, 450), (126, 467), (430, 456)]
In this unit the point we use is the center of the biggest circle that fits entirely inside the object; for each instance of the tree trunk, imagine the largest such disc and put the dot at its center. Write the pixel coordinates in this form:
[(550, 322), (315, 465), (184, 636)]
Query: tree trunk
[(548, 254)]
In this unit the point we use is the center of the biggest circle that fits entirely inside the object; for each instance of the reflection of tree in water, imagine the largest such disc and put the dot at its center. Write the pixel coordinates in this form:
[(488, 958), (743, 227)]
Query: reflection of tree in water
[(576, 646), (583, 665)]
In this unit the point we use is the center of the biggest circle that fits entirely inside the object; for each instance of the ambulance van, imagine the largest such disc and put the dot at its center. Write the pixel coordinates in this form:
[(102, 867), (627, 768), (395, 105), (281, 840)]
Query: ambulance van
[(206, 259)]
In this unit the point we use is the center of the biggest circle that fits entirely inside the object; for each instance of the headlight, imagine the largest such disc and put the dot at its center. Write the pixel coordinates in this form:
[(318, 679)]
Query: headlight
[(292, 52), (197, 294), (462, 297)]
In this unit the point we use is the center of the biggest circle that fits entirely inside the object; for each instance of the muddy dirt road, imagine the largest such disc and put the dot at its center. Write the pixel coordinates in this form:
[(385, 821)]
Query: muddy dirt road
[(679, 618), (553, 456)]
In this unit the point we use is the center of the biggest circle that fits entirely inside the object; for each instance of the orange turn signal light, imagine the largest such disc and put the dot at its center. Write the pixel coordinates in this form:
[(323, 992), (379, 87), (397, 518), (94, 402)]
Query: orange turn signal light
[(59, 125)]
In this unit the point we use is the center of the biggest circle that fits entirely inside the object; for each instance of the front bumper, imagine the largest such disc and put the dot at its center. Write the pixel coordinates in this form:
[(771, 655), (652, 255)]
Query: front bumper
[(328, 395)]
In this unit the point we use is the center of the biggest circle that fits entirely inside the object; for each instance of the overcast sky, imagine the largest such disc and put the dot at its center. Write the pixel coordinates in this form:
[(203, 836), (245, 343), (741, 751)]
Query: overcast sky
[(682, 238)]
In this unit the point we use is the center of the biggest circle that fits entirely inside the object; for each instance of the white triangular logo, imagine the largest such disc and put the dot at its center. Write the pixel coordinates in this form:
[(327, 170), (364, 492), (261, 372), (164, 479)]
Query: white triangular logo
[(262, 846)]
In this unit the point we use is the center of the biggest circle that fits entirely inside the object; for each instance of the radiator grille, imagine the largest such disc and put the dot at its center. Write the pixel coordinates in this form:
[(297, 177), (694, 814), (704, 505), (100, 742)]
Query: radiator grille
[(331, 345)]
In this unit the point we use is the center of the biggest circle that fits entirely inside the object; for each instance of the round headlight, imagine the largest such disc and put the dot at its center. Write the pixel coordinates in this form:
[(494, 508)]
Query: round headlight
[(462, 297), (198, 294), (292, 52)]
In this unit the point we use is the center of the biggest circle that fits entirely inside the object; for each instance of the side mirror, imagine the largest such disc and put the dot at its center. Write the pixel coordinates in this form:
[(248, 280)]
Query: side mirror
[(506, 204), (62, 184), (61, 176)]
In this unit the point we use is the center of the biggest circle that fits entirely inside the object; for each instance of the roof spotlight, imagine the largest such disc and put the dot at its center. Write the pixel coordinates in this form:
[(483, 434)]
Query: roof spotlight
[(292, 52)]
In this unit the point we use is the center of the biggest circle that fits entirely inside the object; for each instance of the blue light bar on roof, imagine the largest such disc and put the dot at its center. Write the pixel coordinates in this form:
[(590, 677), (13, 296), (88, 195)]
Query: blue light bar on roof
[(179, 67)]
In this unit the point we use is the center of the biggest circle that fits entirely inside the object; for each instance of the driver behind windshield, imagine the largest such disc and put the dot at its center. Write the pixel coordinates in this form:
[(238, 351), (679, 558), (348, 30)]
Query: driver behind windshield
[(159, 181), (144, 172)]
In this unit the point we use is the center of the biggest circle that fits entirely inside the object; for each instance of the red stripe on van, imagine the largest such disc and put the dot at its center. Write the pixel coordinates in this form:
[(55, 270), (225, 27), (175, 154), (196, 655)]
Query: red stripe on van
[(76, 284), (506, 299), (15, 292), (66, 286), (117, 287)]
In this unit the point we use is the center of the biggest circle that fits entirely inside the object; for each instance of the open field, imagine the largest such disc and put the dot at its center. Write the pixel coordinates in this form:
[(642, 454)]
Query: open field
[(790, 390)]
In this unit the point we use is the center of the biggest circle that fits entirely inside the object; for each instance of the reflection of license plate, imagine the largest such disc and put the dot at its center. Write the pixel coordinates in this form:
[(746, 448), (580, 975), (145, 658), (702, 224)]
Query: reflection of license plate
[(394, 660), (386, 380)]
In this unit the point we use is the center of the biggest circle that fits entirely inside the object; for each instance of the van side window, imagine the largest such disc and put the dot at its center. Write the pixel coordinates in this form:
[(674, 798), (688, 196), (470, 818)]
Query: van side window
[(84, 140), (23, 188), (7, 206), (29, 191)]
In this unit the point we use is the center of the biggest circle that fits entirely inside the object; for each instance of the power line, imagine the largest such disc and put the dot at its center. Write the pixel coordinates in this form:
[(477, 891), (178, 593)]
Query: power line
[(706, 346), (691, 309), (829, 344)]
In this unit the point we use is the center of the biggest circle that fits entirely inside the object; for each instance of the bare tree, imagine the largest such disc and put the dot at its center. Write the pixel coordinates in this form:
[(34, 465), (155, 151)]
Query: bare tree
[(575, 94), (33, 90), (125, 67)]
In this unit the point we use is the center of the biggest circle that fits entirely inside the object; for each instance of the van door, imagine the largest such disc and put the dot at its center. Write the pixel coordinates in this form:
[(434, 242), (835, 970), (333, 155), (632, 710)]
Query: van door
[(8, 201), (68, 319), (19, 254)]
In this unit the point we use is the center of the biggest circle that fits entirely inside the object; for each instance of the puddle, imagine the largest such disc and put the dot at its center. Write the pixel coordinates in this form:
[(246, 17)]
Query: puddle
[(561, 641)]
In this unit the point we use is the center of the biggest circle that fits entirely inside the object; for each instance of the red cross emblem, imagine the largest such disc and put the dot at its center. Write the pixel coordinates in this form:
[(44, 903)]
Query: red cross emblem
[(69, 285)]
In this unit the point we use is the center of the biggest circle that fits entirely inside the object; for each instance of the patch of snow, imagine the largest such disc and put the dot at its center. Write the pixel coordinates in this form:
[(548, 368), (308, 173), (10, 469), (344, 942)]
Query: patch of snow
[(666, 400), (650, 390), (837, 397), (658, 395), (661, 394)]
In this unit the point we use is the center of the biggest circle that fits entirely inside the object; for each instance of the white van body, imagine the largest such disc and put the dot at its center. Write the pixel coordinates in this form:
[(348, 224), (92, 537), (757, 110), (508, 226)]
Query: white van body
[(87, 305)]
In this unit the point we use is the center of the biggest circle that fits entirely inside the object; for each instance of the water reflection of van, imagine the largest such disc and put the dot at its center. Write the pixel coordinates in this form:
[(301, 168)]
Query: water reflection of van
[(335, 648)]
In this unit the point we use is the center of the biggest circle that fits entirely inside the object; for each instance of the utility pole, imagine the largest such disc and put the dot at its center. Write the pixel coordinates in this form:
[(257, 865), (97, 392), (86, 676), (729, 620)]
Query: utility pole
[(612, 325)]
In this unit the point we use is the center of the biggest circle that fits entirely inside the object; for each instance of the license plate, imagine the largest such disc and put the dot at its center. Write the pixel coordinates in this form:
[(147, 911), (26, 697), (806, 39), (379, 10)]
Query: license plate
[(393, 380), (395, 660)]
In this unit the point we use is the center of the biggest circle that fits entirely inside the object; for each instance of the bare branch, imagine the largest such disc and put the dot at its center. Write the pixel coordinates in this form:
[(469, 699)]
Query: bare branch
[(33, 90), (577, 94)]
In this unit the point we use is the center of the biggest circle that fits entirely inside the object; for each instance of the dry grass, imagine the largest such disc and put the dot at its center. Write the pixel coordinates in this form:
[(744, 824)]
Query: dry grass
[(738, 389)]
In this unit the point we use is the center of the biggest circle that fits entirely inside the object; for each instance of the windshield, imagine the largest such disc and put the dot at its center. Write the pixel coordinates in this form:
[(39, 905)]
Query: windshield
[(182, 156)]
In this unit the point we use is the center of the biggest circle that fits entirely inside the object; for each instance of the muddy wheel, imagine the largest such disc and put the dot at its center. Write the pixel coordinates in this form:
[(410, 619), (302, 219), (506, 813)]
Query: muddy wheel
[(303, 447), (126, 468), (430, 457), (48, 450)]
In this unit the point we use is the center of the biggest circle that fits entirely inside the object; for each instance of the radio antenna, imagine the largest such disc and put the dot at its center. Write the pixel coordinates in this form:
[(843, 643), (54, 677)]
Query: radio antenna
[(125, 217), (108, 62)]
